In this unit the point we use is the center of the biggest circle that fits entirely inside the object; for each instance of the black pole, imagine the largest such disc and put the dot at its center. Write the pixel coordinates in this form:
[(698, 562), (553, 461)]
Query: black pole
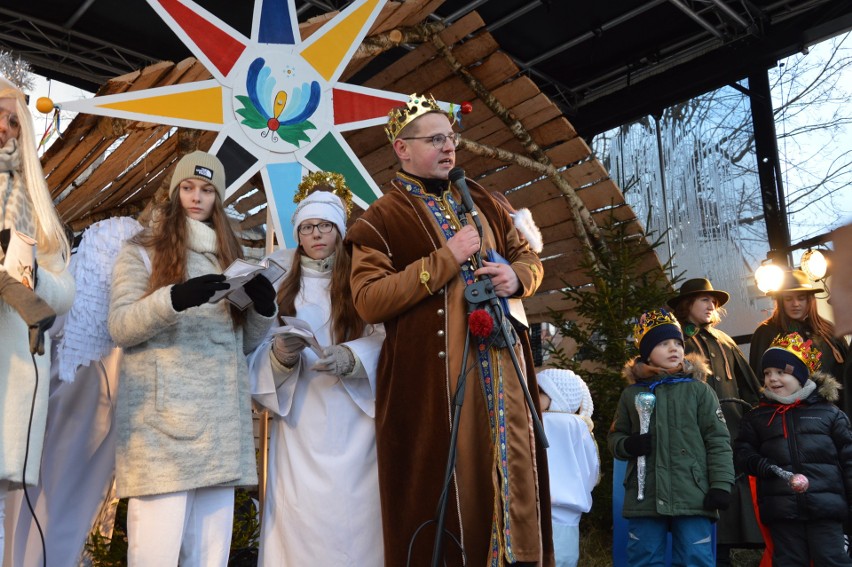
[(768, 163)]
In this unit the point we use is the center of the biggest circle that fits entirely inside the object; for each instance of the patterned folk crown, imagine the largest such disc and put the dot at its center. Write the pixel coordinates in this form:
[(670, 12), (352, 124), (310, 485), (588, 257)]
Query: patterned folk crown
[(417, 106), (802, 349), (651, 320), (330, 180)]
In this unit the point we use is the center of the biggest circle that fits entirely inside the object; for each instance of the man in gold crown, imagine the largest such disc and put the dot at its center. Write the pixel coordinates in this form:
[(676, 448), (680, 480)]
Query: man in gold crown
[(412, 257), (798, 430)]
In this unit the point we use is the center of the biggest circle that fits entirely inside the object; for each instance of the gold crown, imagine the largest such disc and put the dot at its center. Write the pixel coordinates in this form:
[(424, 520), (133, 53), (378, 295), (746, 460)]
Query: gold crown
[(334, 182), (417, 106), (802, 349), (650, 320)]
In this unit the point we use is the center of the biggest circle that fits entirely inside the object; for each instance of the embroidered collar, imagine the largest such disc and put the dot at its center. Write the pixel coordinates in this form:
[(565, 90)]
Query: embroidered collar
[(435, 187)]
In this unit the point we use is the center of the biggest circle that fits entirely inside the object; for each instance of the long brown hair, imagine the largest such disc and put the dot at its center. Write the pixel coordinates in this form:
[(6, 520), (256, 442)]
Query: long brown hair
[(346, 324), (812, 322), (167, 243)]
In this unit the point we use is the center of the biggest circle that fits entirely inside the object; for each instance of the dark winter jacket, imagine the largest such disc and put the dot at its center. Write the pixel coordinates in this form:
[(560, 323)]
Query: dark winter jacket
[(811, 437), (691, 448)]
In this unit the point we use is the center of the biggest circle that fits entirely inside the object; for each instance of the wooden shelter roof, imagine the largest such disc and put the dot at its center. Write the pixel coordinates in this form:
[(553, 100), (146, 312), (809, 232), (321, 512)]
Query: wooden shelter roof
[(104, 167)]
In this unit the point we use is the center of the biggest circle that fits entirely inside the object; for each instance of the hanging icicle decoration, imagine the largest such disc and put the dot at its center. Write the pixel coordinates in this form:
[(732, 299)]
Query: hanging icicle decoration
[(688, 185)]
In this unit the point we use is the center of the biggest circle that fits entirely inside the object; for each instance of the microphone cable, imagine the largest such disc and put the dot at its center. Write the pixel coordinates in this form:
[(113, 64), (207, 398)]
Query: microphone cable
[(26, 458)]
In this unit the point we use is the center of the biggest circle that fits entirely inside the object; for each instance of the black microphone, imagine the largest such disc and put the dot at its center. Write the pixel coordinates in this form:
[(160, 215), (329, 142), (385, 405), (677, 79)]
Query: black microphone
[(458, 179)]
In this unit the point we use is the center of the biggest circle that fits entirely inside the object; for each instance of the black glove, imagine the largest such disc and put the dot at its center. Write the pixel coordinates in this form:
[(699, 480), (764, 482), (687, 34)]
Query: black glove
[(197, 291), (759, 466), (717, 499), (638, 444), (262, 295)]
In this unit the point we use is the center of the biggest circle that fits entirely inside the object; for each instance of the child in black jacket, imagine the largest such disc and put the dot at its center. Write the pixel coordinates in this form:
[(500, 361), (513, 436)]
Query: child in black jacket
[(797, 427)]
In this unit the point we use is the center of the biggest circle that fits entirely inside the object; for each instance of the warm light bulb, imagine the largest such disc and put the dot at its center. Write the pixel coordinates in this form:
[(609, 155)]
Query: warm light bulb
[(769, 277), (814, 264)]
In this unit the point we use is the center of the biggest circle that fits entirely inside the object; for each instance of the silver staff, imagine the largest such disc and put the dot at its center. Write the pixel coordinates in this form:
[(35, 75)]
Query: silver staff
[(644, 402), (798, 482)]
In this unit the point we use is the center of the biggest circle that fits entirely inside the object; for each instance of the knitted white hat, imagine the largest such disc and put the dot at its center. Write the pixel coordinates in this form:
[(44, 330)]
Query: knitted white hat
[(567, 391), (320, 205), (199, 165)]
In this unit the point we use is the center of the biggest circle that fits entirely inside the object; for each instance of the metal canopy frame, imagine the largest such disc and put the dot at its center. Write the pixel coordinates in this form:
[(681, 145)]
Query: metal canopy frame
[(604, 63)]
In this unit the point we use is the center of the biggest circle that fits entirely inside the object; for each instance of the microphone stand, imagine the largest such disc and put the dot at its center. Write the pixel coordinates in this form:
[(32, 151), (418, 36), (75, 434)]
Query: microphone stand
[(476, 294)]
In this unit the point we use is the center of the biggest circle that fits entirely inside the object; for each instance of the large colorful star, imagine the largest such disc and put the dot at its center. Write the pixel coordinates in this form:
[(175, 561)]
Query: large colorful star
[(274, 99)]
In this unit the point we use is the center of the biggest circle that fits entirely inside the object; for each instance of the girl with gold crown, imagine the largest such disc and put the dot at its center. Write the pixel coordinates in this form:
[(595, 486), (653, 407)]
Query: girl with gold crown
[(322, 494), (28, 224), (798, 428)]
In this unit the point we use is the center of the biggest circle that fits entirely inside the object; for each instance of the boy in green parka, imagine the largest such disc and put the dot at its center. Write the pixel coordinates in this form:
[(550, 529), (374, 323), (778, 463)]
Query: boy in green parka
[(688, 465)]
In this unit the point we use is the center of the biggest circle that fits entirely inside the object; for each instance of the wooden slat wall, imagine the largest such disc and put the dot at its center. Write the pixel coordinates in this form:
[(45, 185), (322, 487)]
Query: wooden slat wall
[(121, 176)]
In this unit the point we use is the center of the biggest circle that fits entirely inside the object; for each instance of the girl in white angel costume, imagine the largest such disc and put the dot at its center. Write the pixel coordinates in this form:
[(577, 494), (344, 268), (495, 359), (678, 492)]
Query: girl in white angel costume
[(322, 491)]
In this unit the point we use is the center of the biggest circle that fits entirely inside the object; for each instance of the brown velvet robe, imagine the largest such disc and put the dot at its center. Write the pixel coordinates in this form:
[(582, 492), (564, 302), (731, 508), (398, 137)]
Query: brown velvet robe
[(393, 243)]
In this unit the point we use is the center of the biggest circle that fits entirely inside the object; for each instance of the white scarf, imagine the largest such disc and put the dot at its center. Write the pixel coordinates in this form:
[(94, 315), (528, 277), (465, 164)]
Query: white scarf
[(15, 203)]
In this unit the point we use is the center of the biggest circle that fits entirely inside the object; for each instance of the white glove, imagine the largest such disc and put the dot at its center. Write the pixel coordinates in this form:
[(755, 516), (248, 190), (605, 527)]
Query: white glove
[(337, 360), (287, 348)]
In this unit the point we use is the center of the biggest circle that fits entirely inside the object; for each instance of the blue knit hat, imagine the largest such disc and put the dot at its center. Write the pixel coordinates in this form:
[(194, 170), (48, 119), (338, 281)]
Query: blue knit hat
[(654, 327), (792, 355)]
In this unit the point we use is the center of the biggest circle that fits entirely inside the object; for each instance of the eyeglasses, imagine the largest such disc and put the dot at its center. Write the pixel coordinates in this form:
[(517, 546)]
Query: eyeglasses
[(438, 140), (11, 119), (307, 229)]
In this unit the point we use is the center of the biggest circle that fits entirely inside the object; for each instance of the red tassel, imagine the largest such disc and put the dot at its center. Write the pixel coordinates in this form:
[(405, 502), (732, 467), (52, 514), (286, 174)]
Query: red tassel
[(480, 323)]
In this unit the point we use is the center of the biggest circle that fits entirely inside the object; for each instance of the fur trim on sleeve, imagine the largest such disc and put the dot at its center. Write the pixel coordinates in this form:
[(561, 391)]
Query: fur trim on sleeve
[(526, 225)]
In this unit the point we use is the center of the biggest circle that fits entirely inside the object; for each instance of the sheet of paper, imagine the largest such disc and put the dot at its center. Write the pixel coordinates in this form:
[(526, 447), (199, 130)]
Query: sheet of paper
[(239, 273), (300, 328)]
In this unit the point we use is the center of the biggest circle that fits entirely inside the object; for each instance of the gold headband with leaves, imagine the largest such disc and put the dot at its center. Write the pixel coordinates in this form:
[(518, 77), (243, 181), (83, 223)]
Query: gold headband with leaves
[(417, 106), (335, 183)]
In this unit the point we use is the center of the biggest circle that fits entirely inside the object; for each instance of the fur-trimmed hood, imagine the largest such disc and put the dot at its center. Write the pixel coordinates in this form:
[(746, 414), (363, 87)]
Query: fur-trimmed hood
[(694, 366), (827, 386)]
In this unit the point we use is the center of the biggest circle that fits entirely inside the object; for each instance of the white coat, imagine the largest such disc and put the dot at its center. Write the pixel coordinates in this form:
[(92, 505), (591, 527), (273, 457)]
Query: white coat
[(322, 491), (18, 377), (183, 417)]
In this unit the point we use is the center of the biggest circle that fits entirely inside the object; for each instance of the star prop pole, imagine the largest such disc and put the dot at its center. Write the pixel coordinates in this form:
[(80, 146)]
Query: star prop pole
[(644, 403)]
